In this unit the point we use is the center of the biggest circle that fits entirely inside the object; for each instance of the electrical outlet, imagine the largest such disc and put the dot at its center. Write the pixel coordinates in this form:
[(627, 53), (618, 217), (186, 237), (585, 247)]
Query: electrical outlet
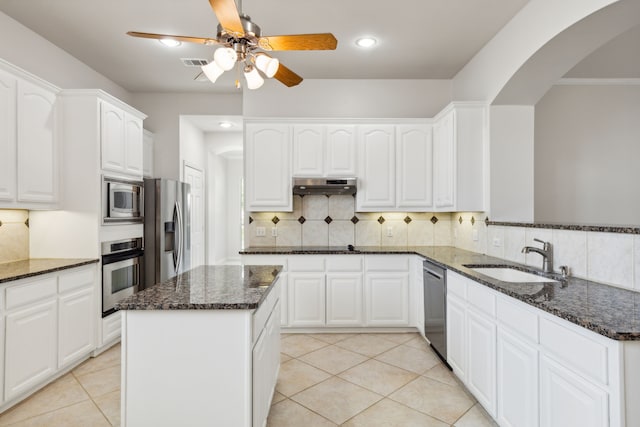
[(274, 232), (389, 231), (497, 242), (474, 235), (261, 231)]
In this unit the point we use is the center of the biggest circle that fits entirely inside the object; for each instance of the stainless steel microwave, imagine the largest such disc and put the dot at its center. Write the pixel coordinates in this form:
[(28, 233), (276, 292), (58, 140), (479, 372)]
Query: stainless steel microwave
[(122, 201)]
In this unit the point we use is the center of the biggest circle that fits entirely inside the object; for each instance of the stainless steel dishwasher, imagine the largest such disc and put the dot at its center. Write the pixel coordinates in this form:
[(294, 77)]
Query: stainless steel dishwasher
[(435, 308)]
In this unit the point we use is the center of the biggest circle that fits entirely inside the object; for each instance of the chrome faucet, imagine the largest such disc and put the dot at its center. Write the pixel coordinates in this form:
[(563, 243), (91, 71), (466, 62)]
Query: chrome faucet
[(546, 252)]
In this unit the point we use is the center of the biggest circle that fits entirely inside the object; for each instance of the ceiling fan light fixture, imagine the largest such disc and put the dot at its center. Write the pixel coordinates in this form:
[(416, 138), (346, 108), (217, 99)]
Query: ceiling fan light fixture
[(225, 58), (212, 71), (366, 42), (254, 80), (268, 65)]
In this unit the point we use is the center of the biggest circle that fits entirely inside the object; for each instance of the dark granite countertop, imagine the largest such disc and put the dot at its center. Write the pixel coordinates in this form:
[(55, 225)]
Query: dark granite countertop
[(607, 310), (16, 270), (217, 287)]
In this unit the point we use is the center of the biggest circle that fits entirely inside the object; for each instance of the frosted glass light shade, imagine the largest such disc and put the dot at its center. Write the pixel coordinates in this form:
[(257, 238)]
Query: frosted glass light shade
[(266, 64), (225, 57), (254, 81), (212, 71)]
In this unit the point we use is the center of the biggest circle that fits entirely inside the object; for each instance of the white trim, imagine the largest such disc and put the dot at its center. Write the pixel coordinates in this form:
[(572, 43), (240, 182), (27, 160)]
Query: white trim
[(597, 82), (337, 120), (24, 74)]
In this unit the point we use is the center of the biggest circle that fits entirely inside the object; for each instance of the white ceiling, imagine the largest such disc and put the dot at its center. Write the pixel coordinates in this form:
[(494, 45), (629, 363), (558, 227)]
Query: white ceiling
[(417, 39)]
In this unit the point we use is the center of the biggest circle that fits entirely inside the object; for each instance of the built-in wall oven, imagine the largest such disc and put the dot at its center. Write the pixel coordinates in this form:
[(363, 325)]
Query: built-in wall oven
[(122, 201), (122, 271)]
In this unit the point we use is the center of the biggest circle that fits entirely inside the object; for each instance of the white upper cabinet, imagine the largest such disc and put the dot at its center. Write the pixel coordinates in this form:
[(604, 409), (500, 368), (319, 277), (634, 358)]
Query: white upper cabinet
[(341, 150), (414, 170), (308, 150), (29, 152), (324, 150), (459, 139), (121, 140), (147, 154), (376, 186), (268, 167)]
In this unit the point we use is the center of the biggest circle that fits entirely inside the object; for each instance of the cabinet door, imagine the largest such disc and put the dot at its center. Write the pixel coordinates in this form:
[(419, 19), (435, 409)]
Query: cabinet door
[(414, 171), (76, 325), (308, 150), (517, 366), (260, 380), (341, 151), (457, 336), (481, 364), (268, 168), (444, 148), (37, 144), (147, 154), (376, 189), (31, 341), (344, 299), (112, 138), (133, 145), (387, 297), (306, 299), (567, 400), (8, 142)]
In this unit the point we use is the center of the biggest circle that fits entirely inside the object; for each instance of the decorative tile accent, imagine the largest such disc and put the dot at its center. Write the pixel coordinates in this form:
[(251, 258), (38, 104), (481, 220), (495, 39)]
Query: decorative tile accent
[(275, 220), (473, 220), (381, 220), (407, 219), (434, 219), (250, 220), (460, 220), (355, 219), (328, 220), (301, 220)]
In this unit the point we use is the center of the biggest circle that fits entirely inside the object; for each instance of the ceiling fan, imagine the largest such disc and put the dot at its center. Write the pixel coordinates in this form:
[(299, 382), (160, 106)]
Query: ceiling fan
[(241, 42)]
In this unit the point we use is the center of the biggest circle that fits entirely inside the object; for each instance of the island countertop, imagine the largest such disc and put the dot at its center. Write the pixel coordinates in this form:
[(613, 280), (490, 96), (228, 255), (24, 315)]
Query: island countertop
[(208, 287)]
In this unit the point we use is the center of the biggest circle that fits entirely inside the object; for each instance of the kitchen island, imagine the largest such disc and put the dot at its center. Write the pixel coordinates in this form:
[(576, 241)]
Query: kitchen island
[(202, 348)]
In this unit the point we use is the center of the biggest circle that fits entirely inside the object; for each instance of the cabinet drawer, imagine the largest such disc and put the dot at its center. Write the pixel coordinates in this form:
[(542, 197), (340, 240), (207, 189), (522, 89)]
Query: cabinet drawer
[(26, 293), (263, 312), (456, 285), (518, 318), (75, 279), (306, 263), (265, 260), (481, 298), (387, 263), (577, 351), (344, 263), (111, 327)]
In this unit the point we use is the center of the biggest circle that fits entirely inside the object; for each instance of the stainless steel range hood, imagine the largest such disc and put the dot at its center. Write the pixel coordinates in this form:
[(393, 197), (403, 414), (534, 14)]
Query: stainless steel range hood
[(326, 186)]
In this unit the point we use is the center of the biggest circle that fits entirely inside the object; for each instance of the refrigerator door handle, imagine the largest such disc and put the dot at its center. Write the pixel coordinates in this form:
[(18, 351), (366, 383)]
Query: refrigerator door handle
[(180, 242)]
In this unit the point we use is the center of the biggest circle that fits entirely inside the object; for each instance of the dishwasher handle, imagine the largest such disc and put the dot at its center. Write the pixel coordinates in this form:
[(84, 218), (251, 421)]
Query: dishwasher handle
[(432, 273)]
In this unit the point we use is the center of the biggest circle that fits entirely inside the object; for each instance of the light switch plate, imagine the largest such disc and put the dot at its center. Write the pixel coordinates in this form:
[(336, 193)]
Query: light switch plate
[(274, 232), (474, 235), (261, 231), (389, 231)]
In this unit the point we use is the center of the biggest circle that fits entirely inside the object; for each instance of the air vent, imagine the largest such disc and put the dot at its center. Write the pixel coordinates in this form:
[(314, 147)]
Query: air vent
[(194, 62)]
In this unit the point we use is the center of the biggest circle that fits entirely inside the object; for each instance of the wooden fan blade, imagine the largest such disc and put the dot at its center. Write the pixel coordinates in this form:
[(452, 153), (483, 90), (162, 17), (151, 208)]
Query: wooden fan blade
[(227, 14), (188, 39), (323, 41), (287, 77)]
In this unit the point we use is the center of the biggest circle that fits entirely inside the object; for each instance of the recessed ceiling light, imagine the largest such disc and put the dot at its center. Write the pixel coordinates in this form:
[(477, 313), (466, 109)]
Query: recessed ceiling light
[(225, 125), (170, 42), (366, 42)]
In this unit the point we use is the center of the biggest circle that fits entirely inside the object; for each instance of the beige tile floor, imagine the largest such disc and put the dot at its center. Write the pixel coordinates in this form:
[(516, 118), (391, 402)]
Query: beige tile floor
[(325, 380)]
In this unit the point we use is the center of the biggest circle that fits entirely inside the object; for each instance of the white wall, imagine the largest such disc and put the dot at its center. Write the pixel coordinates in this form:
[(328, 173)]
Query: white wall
[(192, 147), (28, 50), (511, 163), (587, 147), (349, 98), (234, 207), (164, 111)]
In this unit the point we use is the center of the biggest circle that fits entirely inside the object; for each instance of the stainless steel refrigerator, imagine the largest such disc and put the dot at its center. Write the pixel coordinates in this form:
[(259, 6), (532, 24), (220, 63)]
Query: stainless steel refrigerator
[(167, 236)]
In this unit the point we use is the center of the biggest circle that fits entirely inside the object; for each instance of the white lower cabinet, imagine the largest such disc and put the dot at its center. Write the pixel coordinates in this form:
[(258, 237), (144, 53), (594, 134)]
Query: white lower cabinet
[(456, 336), (344, 299), (31, 346), (306, 299), (387, 296), (517, 381), (481, 368), (266, 361), (568, 400), (76, 320)]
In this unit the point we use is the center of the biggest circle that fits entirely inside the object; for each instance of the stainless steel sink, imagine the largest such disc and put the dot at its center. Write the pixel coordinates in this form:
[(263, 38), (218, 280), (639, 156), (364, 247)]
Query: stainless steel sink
[(508, 274)]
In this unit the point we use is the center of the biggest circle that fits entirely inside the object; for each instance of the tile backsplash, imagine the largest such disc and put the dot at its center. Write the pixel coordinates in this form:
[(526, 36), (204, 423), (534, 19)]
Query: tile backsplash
[(332, 221), (14, 235)]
